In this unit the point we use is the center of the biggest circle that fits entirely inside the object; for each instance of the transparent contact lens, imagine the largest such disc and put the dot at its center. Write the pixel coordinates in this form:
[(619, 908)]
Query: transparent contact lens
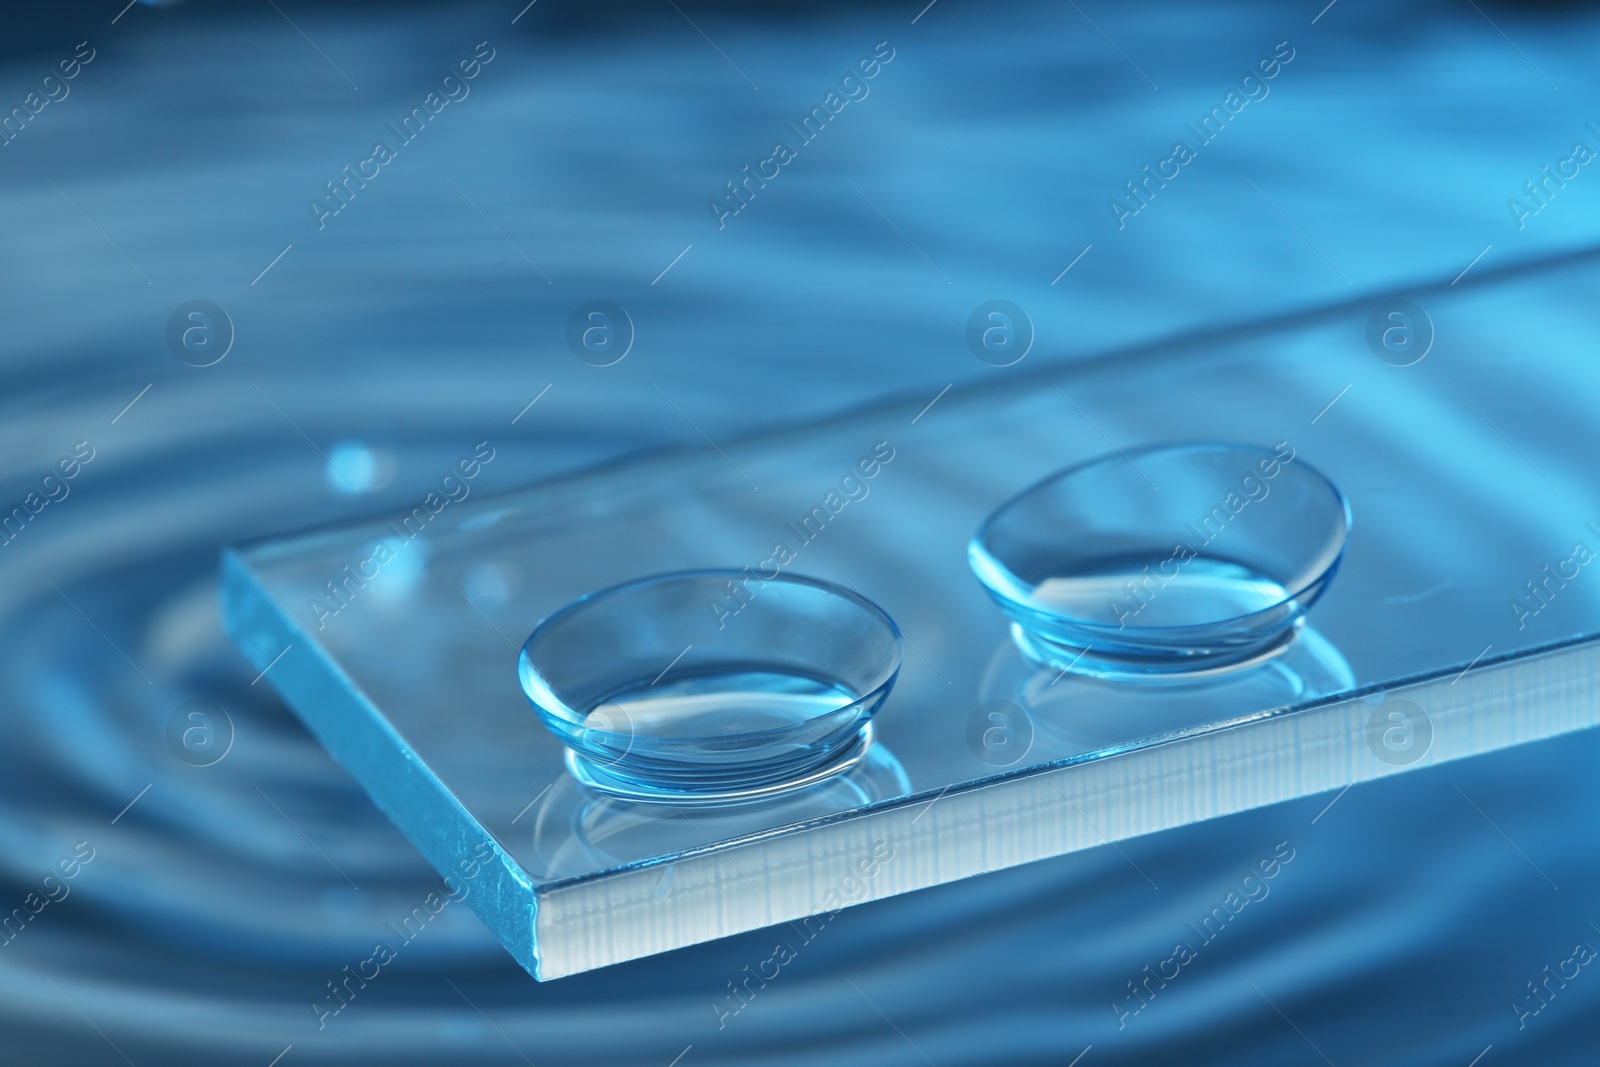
[(1167, 560), (711, 684)]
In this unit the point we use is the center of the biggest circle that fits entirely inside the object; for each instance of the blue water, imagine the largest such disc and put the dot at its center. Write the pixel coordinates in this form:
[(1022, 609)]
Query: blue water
[(221, 901)]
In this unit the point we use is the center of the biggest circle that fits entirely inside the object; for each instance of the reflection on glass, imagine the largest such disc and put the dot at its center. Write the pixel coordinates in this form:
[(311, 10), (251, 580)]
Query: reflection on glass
[(1046, 713), (577, 830)]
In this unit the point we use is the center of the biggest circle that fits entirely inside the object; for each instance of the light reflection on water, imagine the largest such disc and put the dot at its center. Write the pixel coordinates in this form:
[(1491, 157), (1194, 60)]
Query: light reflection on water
[(221, 900)]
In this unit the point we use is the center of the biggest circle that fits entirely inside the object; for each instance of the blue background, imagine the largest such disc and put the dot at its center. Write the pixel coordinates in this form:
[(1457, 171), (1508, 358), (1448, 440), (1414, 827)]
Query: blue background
[(435, 305)]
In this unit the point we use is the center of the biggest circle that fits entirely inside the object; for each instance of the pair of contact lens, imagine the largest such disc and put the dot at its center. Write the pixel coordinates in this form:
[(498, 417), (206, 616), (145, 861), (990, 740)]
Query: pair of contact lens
[(1169, 561)]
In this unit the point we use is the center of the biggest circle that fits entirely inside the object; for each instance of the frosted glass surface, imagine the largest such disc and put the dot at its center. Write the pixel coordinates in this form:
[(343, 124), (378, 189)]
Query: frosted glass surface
[(409, 677)]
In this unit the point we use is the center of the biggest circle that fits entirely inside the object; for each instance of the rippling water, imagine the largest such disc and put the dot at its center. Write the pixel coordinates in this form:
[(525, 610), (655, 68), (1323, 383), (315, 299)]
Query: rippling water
[(221, 900)]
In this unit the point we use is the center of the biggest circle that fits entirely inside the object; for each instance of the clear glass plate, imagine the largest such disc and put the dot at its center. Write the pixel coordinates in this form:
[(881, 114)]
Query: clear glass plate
[(396, 640)]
